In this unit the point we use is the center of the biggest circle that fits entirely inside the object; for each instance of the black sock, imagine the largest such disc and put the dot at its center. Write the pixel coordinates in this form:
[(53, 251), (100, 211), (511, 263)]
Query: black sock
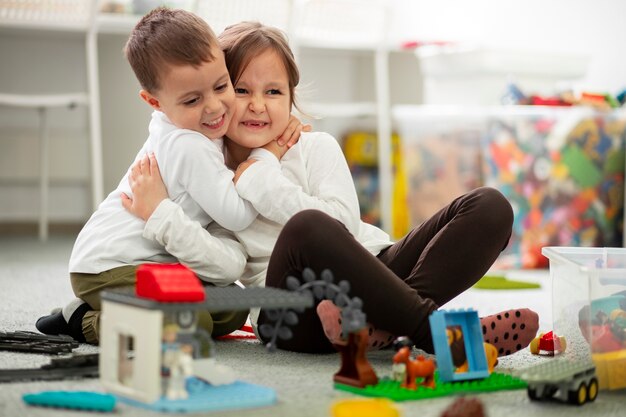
[(55, 324)]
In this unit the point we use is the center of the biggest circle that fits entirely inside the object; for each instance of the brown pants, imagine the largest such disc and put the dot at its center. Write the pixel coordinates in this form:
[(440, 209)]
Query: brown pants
[(88, 286), (406, 282)]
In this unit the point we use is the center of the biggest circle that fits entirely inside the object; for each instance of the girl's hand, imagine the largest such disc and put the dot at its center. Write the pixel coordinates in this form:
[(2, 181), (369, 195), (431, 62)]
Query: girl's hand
[(276, 148), (291, 135), (147, 186)]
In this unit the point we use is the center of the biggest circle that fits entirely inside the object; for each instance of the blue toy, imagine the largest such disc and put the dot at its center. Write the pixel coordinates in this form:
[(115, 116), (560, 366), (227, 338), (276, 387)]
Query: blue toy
[(469, 323), (80, 400), (207, 397)]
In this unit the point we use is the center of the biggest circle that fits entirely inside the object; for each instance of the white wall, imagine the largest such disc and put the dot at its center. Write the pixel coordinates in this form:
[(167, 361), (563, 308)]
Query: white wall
[(32, 63), (593, 28)]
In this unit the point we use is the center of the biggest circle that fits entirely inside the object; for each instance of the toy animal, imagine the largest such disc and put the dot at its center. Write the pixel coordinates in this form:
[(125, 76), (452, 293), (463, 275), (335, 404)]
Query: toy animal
[(418, 367)]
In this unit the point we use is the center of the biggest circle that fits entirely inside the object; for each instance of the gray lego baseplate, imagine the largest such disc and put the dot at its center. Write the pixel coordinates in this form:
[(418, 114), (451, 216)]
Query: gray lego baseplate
[(218, 299)]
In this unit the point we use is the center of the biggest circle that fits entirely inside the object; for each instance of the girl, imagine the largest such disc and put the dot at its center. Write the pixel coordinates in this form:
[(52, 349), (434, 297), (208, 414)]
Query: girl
[(309, 217)]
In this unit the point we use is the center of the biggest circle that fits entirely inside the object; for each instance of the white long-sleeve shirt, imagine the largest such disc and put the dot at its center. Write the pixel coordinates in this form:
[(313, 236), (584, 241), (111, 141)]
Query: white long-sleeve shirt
[(192, 167), (313, 174)]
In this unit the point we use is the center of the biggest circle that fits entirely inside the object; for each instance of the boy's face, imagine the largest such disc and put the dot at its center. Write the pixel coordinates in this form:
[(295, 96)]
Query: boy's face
[(262, 102), (199, 99)]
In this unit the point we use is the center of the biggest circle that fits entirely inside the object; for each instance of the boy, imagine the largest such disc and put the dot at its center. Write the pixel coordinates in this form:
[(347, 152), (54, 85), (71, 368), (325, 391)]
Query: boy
[(180, 66)]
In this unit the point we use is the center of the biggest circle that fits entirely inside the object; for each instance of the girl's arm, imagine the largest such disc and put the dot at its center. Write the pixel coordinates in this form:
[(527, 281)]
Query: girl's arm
[(328, 184), (213, 253)]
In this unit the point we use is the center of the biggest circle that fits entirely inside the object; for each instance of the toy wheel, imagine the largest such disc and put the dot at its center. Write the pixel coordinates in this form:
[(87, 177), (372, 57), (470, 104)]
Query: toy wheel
[(534, 346), (563, 343), (532, 394), (593, 389), (578, 397)]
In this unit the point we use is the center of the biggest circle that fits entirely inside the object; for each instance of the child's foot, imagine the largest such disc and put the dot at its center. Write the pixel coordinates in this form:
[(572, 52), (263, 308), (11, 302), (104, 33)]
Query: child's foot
[(330, 316), (511, 330), (57, 323)]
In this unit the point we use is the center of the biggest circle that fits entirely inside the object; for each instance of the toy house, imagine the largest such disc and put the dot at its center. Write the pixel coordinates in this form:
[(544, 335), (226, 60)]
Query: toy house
[(154, 354)]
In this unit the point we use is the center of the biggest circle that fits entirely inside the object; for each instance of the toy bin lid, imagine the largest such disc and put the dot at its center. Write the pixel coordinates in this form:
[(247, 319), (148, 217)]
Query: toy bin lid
[(609, 262)]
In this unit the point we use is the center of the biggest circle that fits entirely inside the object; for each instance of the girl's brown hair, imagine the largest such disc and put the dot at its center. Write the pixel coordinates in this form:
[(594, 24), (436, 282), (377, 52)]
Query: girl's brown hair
[(244, 41), (168, 37)]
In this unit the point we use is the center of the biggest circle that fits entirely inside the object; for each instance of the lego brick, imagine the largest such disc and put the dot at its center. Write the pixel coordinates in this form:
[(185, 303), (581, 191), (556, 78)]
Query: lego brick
[(219, 299), (168, 283), (79, 400), (473, 340), (206, 397), (391, 389)]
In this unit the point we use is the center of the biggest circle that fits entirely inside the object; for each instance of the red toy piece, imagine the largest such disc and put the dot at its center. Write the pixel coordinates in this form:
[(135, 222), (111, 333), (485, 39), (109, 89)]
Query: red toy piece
[(168, 283), (549, 343)]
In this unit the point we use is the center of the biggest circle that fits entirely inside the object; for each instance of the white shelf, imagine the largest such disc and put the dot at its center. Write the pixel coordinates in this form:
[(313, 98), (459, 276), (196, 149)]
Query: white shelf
[(116, 23)]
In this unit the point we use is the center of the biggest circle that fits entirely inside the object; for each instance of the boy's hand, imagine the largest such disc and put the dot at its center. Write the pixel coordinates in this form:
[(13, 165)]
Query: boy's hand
[(242, 167), (147, 187), (291, 135)]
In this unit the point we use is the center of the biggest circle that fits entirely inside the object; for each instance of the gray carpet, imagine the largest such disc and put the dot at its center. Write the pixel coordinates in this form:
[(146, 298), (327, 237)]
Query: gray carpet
[(33, 279)]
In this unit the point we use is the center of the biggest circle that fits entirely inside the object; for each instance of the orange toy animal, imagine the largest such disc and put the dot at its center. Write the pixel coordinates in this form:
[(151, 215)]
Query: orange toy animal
[(418, 367)]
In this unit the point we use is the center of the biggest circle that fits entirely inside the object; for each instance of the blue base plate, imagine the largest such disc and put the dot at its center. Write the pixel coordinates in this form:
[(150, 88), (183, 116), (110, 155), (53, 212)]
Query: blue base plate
[(206, 397)]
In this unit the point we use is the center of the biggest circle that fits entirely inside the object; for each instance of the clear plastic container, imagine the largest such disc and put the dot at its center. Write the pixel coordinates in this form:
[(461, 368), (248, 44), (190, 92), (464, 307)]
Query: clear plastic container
[(589, 307), (561, 168)]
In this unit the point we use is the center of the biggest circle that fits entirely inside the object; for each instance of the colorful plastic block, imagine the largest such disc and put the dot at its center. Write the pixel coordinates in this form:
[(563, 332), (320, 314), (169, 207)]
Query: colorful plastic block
[(80, 400), (388, 388), (168, 283), (473, 341), (206, 397)]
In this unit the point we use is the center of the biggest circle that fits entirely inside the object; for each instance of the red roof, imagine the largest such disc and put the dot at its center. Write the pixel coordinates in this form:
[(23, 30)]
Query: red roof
[(168, 283)]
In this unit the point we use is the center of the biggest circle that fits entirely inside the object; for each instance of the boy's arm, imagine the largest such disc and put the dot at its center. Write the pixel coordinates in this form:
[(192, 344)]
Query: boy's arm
[(330, 185), (200, 169), (214, 254)]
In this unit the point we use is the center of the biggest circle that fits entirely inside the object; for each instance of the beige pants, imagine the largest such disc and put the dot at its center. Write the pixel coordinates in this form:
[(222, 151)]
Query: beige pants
[(88, 286)]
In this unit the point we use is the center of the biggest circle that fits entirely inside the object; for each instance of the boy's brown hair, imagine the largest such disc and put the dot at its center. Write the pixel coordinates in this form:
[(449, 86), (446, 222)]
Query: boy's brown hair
[(244, 41), (168, 37)]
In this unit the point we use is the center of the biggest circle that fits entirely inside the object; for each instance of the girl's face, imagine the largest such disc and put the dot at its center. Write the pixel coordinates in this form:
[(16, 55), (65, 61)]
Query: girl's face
[(262, 102)]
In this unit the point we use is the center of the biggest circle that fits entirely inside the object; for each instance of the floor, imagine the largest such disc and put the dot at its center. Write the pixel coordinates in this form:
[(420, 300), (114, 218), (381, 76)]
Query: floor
[(33, 279)]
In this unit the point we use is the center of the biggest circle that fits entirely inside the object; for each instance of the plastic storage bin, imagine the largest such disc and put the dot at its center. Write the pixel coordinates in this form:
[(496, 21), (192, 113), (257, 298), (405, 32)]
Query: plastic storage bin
[(562, 170), (589, 307), (441, 155)]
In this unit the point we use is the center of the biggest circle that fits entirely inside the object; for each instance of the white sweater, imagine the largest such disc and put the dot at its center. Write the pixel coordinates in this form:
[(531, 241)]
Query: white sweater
[(193, 169), (313, 174)]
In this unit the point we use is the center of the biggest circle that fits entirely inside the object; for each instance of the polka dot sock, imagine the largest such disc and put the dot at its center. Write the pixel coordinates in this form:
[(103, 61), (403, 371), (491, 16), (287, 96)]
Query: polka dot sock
[(511, 330), (330, 316)]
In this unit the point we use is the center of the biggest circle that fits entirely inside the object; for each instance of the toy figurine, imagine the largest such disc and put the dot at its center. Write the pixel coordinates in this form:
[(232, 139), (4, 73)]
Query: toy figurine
[(177, 363), (413, 368)]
